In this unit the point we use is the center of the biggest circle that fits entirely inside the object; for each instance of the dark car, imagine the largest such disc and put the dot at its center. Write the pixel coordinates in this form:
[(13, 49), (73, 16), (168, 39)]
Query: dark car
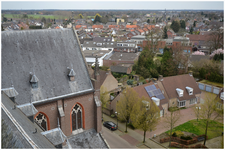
[(110, 125)]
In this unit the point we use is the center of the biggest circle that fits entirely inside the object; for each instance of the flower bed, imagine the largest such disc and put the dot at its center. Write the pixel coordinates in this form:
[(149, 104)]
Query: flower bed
[(185, 142)]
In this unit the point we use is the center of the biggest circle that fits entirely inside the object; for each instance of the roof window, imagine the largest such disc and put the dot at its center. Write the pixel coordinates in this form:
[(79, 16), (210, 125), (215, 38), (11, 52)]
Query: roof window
[(180, 92), (190, 90)]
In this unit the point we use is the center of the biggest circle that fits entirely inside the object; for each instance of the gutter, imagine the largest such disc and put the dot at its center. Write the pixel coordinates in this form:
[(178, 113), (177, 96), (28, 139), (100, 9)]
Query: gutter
[(104, 140), (20, 129), (64, 96)]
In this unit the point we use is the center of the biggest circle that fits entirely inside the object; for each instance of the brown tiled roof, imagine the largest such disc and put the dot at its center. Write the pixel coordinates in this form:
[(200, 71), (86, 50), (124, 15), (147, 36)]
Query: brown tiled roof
[(142, 92), (81, 26), (195, 37), (114, 26), (181, 81), (131, 26)]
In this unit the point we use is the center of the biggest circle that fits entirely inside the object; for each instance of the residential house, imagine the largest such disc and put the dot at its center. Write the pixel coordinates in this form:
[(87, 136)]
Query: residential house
[(119, 57), (65, 99), (23, 26), (132, 27), (153, 91), (113, 27), (119, 20), (171, 34), (99, 43), (182, 90), (80, 26)]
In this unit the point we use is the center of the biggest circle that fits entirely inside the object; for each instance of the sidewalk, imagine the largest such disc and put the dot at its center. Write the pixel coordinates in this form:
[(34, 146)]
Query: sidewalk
[(133, 137)]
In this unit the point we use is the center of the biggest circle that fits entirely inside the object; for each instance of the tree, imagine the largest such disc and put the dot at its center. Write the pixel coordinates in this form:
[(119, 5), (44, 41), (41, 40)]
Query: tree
[(165, 36), (8, 140), (168, 67), (43, 20), (182, 24), (148, 21), (97, 18), (5, 19), (126, 103), (175, 26), (81, 16), (25, 16), (215, 40), (125, 18), (145, 115), (171, 120), (209, 112), (194, 24), (191, 30), (104, 97)]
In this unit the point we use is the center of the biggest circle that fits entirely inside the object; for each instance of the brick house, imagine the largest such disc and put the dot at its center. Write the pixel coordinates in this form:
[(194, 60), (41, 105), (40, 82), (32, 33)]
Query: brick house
[(80, 26), (182, 90), (97, 27), (143, 90), (60, 93), (171, 34)]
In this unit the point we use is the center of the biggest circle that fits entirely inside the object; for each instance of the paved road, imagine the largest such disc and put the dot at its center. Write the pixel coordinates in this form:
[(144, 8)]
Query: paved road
[(115, 141)]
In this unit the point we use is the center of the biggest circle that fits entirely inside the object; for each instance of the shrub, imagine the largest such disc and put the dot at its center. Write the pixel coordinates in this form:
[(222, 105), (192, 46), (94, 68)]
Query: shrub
[(174, 134), (130, 125), (186, 137), (112, 115)]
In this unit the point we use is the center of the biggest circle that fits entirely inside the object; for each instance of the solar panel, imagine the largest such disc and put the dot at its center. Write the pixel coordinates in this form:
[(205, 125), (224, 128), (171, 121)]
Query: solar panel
[(160, 96), (156, 91)]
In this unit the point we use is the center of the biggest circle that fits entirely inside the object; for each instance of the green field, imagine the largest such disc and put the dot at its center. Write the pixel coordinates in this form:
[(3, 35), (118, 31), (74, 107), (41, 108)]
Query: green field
[(9, 16), (214, 130)]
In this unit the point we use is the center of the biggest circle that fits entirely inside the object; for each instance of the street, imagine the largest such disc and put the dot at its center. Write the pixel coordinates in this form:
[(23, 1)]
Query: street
[(115, 141)]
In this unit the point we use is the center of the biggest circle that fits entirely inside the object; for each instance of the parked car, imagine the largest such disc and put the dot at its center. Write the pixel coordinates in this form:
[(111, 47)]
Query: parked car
[(110, 125)]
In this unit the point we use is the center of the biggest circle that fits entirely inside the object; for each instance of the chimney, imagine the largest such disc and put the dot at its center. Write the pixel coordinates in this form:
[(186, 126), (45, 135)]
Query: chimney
[(34, 81), (160, 78), (190, 73), (71, 75)]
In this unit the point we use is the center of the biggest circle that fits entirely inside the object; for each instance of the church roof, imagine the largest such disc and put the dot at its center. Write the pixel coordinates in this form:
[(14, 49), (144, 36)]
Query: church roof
[(49, 52)]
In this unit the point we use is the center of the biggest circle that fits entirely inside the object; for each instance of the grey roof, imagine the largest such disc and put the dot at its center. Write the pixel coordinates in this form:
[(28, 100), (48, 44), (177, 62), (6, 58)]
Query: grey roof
[(49, 53), (22, 128), (28, 109), (198, 57), (102, 39), (180, 38), (10, 92), (93, 44), (138, 37), (120, 69), (124, 56), (55, 136), (87, 139)]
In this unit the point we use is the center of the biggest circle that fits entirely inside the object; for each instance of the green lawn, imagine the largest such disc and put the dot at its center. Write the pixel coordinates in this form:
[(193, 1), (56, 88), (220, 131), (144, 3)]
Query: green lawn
[(212, 83), (214, 130)]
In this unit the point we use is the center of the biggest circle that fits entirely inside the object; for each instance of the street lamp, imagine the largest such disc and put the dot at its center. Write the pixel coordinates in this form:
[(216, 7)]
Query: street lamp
[(198, 111), (117, 117)]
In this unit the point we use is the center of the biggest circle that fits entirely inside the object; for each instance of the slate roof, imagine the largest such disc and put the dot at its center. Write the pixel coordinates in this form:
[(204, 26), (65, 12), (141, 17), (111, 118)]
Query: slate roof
[(89, 139), (28, 109), (55, 136), (119, 69), (21, 127), (48, 53), (181, 81)]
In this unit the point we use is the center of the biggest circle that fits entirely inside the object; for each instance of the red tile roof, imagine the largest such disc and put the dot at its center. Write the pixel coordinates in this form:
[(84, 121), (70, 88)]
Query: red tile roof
[(81, 26), (131, 26), (114, 26), (97, 26)]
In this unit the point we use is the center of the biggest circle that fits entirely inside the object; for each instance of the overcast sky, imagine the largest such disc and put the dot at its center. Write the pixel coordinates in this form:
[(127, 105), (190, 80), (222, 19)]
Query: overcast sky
[(115, 4)]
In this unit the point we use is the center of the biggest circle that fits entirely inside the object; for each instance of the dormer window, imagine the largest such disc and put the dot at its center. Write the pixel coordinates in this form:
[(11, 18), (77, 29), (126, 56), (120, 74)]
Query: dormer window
[(34, 81), (180, 92), (189, 90), (71, 75), (156, 100)]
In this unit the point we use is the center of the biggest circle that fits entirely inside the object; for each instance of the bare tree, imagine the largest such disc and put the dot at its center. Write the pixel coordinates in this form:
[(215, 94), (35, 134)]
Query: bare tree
[(126, 103), (216, 39), (171, 120), (209, 112), (145, 115)]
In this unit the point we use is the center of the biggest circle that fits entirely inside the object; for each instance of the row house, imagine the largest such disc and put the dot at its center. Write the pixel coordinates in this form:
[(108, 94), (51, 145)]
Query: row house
[(171, 34), (132, 27), (178, 43), (128, 47), (114, 27), (97, 27)]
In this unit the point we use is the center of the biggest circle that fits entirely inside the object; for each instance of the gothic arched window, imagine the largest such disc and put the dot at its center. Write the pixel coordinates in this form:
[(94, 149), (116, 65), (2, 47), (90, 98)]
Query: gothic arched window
[(76, 115), (41, 119)]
